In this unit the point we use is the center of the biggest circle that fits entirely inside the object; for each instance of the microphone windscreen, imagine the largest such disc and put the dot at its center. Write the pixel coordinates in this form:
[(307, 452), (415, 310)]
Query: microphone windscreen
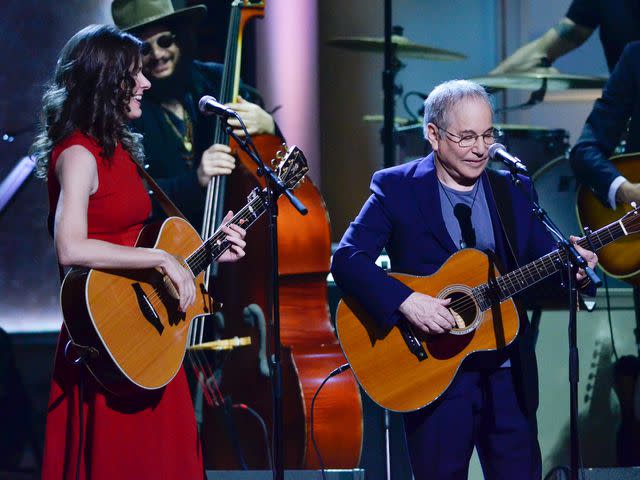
[(202, 104), (494, 148)]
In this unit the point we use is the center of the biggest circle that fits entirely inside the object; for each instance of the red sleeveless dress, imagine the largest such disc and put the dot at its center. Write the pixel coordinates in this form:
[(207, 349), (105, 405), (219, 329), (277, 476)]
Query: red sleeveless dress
[(153, 436)]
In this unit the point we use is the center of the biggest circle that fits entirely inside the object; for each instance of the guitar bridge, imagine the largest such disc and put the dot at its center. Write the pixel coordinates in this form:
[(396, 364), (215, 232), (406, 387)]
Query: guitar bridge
[(414, 345)]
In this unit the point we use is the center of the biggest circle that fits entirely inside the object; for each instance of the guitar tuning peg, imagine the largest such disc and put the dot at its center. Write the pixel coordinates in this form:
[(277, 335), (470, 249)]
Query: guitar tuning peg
[(284, 146), (279, 155)]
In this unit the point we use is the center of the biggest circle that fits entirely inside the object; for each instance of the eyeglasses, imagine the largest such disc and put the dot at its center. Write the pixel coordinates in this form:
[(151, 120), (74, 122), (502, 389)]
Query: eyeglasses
[(466, 141), (163, 41)]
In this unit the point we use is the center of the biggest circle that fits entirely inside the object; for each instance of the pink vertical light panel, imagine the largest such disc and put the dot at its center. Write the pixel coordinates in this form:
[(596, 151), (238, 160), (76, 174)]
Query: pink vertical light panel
[(287, 64)]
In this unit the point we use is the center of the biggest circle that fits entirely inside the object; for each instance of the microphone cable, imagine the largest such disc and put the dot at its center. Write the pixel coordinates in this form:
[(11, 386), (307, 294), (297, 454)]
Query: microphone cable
[(333, 373)]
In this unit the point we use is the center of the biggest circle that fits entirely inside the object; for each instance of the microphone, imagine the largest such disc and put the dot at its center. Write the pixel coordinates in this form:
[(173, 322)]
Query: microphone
[(210, 106), (497, 151)]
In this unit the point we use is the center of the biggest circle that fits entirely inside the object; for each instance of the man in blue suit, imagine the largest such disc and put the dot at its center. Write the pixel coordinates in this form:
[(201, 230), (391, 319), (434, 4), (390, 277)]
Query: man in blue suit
[(617, 111), (422, 212)]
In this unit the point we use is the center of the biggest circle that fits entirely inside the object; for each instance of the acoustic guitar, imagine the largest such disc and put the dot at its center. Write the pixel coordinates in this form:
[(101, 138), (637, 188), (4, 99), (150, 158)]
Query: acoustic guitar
[(131, 320), (621, 259), (404, 370)]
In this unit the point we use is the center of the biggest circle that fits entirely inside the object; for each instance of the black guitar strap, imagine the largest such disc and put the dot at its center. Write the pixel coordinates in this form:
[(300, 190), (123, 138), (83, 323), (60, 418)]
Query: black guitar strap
[(165, 202), (499, 187), (167, 205)]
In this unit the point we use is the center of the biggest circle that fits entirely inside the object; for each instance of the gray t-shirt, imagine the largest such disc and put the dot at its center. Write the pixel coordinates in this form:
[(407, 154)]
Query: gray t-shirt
[(480, 229), (474, 202)]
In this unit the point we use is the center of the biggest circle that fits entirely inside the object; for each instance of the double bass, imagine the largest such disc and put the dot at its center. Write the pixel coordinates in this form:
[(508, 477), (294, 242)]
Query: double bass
[(232, 437)]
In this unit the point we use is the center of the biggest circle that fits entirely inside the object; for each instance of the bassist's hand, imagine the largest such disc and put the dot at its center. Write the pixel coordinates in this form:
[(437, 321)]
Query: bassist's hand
[(216, 160), (428, 314), (182, 279), (255, 118)]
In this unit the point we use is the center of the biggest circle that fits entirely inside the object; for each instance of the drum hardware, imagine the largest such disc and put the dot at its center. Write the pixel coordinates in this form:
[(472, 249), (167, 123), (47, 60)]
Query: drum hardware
[(549, 78), (536, 97), (393, 45), (403, 47), (535, 146), (379, 118), (556, 185)]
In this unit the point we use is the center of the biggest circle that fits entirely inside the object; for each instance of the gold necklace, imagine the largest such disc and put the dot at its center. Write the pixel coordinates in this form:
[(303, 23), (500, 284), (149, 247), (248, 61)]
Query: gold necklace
[(187, 138)]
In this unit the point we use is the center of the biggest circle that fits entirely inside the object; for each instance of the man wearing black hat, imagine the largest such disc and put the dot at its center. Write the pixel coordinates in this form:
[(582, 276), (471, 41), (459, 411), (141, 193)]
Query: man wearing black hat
[(178, 140)]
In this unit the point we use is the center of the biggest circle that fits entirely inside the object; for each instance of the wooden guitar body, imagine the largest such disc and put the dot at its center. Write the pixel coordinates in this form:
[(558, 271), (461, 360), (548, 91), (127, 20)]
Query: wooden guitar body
[(622, 258), (107, 310), (404, 370), (382, 361)]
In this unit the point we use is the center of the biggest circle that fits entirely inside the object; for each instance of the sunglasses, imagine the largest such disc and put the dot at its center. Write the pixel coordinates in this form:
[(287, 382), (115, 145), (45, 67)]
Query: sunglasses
[(163, 41)]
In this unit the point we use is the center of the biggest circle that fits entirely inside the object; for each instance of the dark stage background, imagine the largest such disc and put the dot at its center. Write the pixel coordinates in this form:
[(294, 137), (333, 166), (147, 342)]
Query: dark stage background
[(349, 87)]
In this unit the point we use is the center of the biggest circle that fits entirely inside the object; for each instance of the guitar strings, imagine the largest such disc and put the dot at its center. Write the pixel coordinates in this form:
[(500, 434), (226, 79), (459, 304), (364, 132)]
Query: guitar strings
[(201, 254), (248, 212), (511, 281)]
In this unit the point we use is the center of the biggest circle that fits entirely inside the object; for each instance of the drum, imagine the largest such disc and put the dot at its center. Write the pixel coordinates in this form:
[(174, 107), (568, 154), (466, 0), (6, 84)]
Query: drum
[(410, 143), (535, 146), (556, 185)]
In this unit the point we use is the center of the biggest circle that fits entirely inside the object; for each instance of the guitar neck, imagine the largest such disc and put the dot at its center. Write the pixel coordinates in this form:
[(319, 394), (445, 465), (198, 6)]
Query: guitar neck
[(536, 271), (217, 244)]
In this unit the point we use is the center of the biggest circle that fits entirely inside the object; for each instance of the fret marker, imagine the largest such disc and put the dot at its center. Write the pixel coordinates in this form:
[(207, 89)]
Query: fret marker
[(622, 227)]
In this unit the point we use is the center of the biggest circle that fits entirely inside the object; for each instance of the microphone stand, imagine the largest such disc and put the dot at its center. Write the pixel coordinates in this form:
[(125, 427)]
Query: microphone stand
[(574, 261), (275, 188)]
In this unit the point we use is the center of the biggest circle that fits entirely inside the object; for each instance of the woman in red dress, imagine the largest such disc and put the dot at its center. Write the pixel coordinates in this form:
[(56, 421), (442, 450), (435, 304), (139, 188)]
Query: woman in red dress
[(99, 204)]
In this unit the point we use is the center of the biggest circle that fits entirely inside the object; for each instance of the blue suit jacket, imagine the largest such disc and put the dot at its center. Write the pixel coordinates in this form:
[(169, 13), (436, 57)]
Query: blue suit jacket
[(619, 105), (404, 215)]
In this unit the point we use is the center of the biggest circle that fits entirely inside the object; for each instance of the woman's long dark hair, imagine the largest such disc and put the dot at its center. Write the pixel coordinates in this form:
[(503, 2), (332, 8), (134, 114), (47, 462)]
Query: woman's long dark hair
[(90, 92)]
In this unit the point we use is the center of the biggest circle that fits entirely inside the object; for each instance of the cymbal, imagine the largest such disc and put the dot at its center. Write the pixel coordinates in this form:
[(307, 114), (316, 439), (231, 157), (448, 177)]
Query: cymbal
[(375, 118), (404, 47), (534, 79)]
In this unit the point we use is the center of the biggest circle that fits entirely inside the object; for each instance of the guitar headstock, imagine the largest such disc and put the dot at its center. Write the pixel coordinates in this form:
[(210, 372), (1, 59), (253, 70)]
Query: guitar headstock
[(631, 220), (292, 166)]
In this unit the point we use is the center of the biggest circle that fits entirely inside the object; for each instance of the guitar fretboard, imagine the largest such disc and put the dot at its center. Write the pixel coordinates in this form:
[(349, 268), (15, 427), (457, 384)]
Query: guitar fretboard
[(217, 244), (508, 285)]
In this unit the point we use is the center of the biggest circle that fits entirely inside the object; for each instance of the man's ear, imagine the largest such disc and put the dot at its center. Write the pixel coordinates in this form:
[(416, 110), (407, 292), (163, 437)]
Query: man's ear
[(433, 136)]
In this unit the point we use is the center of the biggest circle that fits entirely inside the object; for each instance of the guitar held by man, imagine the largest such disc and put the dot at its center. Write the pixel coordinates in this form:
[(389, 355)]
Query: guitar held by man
[(438, 214), (403, 368)]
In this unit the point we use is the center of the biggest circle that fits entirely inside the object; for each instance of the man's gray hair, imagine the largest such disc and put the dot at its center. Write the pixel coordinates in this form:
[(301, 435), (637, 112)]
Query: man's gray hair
[(443, 98)]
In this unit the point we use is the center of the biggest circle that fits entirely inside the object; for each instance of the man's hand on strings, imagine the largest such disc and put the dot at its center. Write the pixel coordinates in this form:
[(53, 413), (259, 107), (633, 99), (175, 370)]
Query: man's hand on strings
[(428, 314)]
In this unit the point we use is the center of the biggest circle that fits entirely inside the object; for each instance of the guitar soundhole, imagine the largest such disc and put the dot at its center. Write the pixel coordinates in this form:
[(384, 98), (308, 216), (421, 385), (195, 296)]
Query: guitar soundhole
[(464, 310)]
